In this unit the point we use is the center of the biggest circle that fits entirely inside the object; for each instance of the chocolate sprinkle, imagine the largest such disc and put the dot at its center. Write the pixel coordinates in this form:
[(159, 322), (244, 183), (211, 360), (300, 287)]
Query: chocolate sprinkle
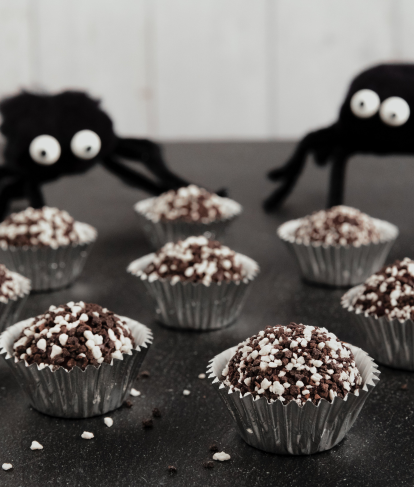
[(214, 447), (389, 292), (404, 387), (145, 374), (128, 404), (208, 465), (293, 363), (340, 225), (74, 334), (156, 413), (147, 423), (172, 469)]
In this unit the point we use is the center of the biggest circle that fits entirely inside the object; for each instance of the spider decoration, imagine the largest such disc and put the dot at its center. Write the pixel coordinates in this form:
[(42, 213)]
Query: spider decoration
[(49, 136), (374, 119)]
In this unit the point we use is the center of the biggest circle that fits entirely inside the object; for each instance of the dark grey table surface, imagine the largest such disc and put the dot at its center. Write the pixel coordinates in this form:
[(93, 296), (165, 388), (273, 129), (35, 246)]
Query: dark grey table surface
[(378, 451)]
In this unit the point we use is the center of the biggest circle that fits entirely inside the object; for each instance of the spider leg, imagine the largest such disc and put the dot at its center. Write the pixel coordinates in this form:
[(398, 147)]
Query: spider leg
[(337, 180), (150, 155), (130, 177), (10, 189), (35, 195)]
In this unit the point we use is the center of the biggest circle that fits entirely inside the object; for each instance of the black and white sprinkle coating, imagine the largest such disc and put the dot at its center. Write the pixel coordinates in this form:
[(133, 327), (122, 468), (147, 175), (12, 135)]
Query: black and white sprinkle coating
[(293, 363), (44, 227), (74, 334), (12, 285), (389, 292), (195, 259), (189, 204), (338, 226)]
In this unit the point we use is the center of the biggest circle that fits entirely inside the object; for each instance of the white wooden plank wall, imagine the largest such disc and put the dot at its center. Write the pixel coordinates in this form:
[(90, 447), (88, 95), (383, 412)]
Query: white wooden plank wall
[(203, 69)]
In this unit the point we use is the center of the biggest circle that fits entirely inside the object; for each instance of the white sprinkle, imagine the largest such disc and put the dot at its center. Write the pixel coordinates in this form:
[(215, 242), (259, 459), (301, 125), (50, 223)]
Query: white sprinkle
[(84, 317), (86, 435), (63, 339), (109, 422), (7, 466), (135, 393), (41, 344), (221, 456), (36, 446), (201, 376), (186, 392)]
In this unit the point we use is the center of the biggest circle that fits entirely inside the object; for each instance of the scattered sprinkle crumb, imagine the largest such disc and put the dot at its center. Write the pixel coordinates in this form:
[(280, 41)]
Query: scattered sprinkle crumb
[(214, 447), (147, 423), (201, 376), (208, 464), (128, 404), (135, 393), (156, 413), (145, 374), (172, 469), (186, 392), (36, 446), (221, 456), (7, 466), (109, 422), (86, 435), (404, 387)]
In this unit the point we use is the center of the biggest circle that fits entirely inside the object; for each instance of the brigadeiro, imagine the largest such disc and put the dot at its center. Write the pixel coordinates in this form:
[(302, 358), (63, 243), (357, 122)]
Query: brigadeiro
[(14, 290), (76, 360), (338, 247), (294, 389), (178, 214), (46, 245), (196, 283), (384, 311)]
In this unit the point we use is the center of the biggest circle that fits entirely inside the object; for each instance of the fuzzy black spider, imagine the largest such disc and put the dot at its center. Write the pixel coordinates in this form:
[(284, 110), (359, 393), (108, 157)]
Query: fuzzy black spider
[(49, 136), (374, 118)]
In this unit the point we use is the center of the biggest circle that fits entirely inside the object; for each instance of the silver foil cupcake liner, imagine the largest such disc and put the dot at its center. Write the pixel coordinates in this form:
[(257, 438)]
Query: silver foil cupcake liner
[(159, 233), (77, 393), (47, 268), (196, 306), (339, 266), (294, 429), (390, 342), (10, 311)]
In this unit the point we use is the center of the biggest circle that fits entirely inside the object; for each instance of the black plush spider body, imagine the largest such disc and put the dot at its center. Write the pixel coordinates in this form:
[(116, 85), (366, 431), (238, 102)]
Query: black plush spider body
[(374, 119), (49, 136)]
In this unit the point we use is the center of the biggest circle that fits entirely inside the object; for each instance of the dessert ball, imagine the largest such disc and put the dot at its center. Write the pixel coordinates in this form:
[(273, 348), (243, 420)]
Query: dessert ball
[(12, 285), (293, 363), (389, 292), (197, 260), (189, 204), (74, 334), (45, 227), (338, 226)]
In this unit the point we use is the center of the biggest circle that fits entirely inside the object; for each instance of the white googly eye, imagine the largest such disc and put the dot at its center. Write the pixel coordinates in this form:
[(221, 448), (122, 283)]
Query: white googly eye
[(85, 144), (394, 111), (365, 103), (44, 149)]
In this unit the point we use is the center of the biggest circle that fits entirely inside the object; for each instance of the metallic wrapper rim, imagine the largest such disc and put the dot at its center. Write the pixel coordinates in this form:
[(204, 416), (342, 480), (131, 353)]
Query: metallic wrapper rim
[(293, 429), (390, 342), (195, 306), (77, 393), (339, 266)]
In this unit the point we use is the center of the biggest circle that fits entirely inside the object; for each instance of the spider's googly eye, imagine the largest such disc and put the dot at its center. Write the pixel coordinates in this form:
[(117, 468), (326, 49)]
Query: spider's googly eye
[(44, 149), (394, 111), (85, 144), (365, 103)]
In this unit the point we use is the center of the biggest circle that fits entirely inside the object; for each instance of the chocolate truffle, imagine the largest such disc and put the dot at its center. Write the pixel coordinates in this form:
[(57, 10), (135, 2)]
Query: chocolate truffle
[(189, 204), (389, 292), (12, 285), (338, 226), (74, 334), (197, 260), (44, 227), (293, 363)]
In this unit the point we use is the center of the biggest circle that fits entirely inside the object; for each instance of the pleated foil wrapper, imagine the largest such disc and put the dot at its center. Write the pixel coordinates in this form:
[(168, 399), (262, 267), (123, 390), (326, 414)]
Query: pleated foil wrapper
[(192, 306), (47, 268), (341, 266), (77, 393), (161, 232), (390, 342), (294, 429), (10, 311)]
